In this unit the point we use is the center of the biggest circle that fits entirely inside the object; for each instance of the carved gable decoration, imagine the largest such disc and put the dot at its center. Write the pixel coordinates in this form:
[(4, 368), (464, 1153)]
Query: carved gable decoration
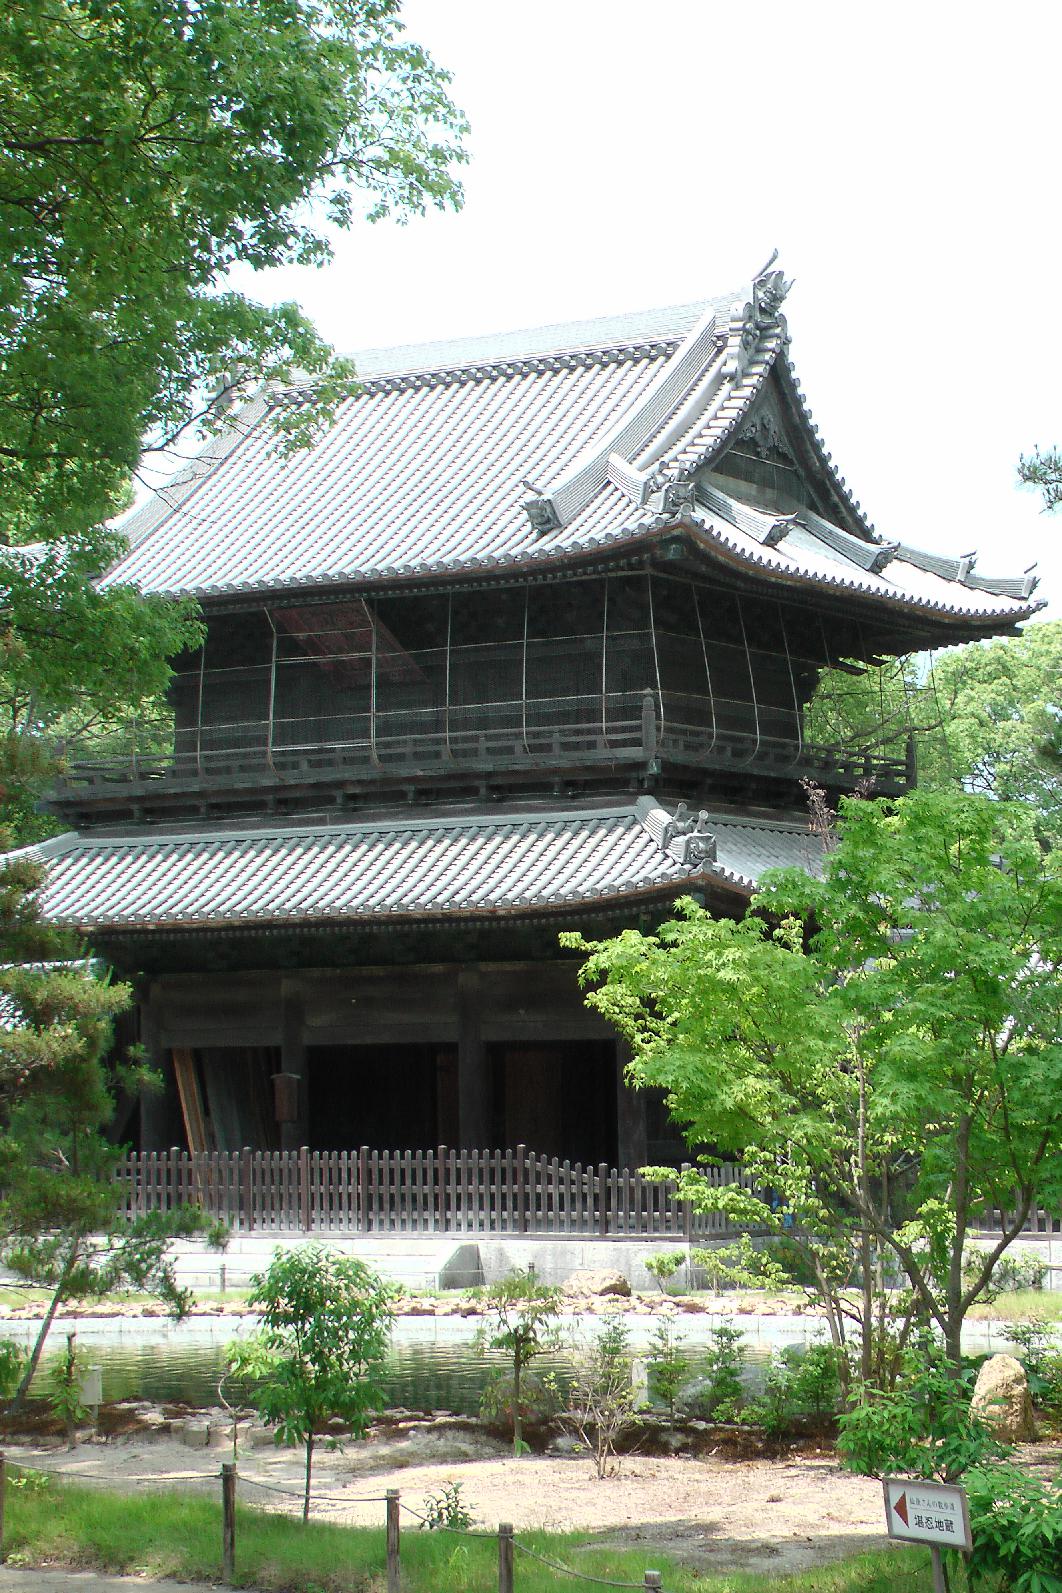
[(764, 435)]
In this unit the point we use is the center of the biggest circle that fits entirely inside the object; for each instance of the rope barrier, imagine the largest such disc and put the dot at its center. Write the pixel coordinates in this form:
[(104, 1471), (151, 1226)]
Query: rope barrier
[(325, 1502), (568, 1570)]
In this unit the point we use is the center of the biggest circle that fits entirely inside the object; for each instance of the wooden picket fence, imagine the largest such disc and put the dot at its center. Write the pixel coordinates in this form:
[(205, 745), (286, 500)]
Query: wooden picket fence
[(415, 1192)]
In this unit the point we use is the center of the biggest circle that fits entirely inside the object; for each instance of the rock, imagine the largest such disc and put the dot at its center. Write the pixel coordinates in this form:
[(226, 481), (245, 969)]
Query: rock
[(566, 1446), (258, 1436), (597, 1283), (195, 1435), (1001, 1399)]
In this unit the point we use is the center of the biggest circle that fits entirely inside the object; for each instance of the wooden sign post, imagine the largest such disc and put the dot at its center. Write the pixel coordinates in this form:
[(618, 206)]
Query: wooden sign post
[(934, 1513)]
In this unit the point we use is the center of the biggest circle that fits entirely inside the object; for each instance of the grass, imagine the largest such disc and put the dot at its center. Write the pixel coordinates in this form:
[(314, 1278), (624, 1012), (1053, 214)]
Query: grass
[(178, 1535), (1019, 1305)]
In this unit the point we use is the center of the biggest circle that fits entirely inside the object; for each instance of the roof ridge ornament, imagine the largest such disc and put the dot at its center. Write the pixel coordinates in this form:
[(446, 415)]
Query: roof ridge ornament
[(748, 321), (697, 841)]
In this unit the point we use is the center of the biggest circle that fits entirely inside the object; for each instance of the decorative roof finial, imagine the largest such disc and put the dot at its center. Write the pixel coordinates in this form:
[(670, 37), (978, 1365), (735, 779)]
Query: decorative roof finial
[(769, 289)]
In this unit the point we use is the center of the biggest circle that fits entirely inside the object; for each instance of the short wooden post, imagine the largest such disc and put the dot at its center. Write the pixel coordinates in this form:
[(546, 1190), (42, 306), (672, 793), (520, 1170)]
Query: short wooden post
[(304, 1188), (505, 1557), (602, 1215), (521, 1176), (3, 1492), (363, 1186), (228, 1523), (394, 1570), (652, 1579), (247, 1189)]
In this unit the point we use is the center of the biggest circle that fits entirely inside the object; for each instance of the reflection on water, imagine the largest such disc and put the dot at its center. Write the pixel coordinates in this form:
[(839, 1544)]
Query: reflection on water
[(433, 1364), (448, 1377)]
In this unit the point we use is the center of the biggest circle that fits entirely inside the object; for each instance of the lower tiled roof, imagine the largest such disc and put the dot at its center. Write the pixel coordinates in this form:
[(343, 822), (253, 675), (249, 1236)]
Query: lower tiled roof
[(378, 870)]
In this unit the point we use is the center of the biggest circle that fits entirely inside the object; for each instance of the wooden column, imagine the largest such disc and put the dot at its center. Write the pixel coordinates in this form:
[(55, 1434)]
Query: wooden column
[(155, 1105), (631, 1131), (293, 1061), (475, 1104)]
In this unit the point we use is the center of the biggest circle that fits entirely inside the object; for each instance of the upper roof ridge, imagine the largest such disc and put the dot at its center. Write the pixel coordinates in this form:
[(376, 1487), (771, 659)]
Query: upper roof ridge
[(633, 329)]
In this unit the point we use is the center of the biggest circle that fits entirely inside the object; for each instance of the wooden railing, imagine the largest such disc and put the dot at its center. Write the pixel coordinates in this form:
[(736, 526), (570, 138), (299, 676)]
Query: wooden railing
[(415, 1192), (436, 1191)]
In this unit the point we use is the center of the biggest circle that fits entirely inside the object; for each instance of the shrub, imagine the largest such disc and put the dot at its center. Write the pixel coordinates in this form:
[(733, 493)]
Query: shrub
[(446, 1510), (723, 1394), (1016, 1525), (923, 1428), (1011, 1273), (521, 1321), (664, 1364), (664, 1265), (601, 1397)]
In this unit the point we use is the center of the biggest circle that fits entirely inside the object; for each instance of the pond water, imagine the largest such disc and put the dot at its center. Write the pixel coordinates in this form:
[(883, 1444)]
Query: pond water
[(433, 1364)]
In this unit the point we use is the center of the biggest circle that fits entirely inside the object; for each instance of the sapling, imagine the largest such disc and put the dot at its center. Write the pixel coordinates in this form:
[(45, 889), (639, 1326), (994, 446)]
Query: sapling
[(521, 1321), (325, 1327), (664, 1362)]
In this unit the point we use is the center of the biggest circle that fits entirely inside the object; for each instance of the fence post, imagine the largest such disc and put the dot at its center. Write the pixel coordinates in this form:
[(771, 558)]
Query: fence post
[(304, 1187), (363, 1186), (505, 1557), (3, 1491), (521, 1209), (246, 1190), (652, 1579), (602, 1215), (228, 1522), (394, 1569)]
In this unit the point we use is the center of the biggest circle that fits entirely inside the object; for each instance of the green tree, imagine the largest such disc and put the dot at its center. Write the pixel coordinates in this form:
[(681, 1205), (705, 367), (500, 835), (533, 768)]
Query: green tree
[(59, 1216), (1043, 469), (881, 1046), (325, 1327), (147, 148), (998, 721), (521, 1321)]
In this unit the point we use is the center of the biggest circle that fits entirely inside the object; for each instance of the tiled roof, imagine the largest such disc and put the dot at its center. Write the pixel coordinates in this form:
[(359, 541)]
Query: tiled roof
[(381, 870), (514, 451)]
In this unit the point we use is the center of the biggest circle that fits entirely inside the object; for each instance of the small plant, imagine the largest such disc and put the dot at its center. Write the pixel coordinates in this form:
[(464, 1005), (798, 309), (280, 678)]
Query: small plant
[(1010, 1274), (64, 1389), (664, 1265), (664, 1363), (922, 1428), (325, 1325), (1037, 1341), (1016, 1526), (723, 1364), (740, 1265), (601, 1397), (522, 1321), (12, 1360), (446, 1510), (30, 1482)]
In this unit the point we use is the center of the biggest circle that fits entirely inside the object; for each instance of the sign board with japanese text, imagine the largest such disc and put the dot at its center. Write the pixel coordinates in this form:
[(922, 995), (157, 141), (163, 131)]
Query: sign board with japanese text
[(927, 1512)]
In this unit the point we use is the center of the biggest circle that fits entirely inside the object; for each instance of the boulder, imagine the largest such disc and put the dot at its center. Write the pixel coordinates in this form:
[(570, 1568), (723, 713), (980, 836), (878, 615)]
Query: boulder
[(1001, 1399), (600, 1282), (196, 1435)]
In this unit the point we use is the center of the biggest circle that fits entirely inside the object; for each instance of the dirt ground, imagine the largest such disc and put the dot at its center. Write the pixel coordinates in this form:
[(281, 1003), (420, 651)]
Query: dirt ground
[(711, 1512)]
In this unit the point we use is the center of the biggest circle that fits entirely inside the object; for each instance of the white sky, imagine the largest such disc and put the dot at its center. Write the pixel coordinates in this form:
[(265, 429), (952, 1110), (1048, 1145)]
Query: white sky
[(902, 157)]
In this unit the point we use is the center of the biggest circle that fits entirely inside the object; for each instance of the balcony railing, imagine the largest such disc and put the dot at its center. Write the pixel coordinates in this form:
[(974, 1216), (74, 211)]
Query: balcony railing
[(497, 740)]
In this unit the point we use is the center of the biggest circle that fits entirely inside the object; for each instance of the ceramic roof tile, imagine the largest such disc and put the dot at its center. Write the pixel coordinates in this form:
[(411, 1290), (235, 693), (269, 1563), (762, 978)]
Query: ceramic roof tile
[(430, 467), (375, 870)]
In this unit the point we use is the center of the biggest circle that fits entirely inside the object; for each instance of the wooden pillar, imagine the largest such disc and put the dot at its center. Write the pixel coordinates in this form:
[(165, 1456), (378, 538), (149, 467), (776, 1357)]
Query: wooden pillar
[(631, 1131), (155, 1105), (295, 1133), (475, 1104)]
